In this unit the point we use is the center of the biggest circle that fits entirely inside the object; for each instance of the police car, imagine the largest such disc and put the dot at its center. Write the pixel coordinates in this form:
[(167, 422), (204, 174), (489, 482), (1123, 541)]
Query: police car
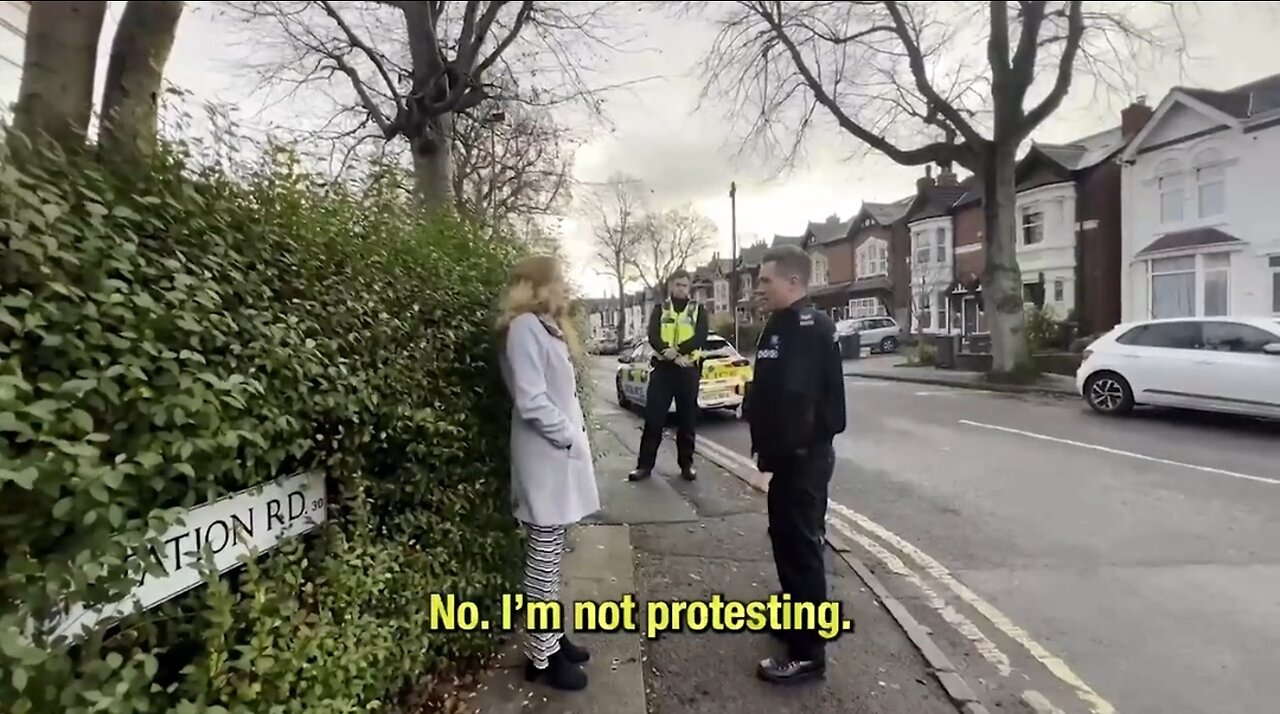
[(726, 375)]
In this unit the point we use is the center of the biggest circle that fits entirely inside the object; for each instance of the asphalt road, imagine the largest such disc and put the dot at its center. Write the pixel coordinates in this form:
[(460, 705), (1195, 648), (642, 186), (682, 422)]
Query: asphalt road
[(1127, 565)]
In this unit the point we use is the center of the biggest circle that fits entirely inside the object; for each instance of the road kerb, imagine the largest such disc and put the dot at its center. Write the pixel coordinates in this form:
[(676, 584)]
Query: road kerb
[(953, 683), (973, 386)]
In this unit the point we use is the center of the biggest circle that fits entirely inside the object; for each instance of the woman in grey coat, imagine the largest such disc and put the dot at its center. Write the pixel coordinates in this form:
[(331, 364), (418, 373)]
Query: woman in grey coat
[(553, 481)]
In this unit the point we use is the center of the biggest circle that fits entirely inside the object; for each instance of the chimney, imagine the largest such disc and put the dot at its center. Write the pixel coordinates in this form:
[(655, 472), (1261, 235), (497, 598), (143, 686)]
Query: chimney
[(1134, 117), (833, 219), (924, 183), (946, 177)]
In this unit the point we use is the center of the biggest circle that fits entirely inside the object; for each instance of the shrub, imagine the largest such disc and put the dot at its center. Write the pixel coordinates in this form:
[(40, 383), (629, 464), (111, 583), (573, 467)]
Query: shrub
[(168, 339), (923, 354)]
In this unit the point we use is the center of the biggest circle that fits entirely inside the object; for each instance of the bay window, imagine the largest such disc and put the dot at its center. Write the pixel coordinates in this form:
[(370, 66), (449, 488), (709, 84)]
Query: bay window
[(1190, 286), (819, 270), (1173, 287), (940, 246), (1217, 285), (926, 311), (1032, 225)]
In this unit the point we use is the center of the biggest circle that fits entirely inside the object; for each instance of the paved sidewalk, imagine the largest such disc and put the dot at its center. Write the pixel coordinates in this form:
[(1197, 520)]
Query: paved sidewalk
[(894, 368), (667, 539)]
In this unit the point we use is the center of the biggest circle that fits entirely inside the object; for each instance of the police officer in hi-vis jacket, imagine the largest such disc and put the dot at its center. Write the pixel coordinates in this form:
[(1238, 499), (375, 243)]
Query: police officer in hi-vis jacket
[(677, 333)]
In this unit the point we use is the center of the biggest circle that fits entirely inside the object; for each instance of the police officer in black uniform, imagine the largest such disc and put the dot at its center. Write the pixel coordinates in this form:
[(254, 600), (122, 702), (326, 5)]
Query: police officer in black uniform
[(795, 408)]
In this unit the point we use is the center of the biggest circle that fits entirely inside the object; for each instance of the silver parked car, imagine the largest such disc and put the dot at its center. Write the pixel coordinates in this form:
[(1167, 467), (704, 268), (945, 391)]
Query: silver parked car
[(878, 333)]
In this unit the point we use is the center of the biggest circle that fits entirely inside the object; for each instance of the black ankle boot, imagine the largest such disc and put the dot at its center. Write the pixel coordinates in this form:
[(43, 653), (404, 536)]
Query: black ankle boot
[(576, 654), (559, 673)]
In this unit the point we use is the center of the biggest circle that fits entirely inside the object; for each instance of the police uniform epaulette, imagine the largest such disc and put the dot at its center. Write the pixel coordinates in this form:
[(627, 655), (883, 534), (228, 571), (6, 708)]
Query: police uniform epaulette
[(807, 317)]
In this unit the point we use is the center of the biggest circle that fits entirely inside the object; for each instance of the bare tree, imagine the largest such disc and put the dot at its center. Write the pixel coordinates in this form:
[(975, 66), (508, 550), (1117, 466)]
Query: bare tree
[(130, 99), (670, 240), (59, 61), (411, 68), (925, 82), (616, 210), (512, 163)]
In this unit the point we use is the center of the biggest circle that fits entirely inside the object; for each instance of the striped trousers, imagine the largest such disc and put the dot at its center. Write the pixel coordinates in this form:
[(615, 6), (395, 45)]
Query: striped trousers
[(544, 549)]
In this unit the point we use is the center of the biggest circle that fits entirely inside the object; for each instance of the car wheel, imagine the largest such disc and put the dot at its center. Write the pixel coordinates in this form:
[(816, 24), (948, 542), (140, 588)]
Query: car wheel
[(889, 344), (1108, 393), (622, 397)]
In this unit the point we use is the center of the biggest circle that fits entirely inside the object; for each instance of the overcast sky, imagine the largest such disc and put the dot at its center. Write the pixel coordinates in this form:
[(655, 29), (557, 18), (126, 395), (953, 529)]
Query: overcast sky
[(683, 155)]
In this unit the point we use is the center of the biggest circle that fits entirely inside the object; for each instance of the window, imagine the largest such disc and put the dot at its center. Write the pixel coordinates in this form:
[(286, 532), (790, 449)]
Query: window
[(1173, 287), (819, 269), (879, 259), (922, 249), (1234, 337), (1172, 197), (1032, 226), (926, 311), (1211, 187), (1211, 191), (1033, 293), (1169, 335), (1274, 262), (1059, 290), (873, 259), (865, 307), (940, 246), (1217, 285)]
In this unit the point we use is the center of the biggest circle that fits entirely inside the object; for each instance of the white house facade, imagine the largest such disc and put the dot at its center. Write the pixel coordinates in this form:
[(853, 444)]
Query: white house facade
[(1201, 224), (13, 31), (931, 272), (1046, 231)]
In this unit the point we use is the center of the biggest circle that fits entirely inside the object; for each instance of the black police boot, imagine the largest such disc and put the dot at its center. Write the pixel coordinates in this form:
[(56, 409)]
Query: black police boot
[(559, 673), (576, 654), (688, 473), (639, 475), (789, 670)]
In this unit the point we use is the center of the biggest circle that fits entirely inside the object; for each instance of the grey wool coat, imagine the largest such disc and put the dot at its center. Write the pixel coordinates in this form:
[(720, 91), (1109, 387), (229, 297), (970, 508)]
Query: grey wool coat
[(552, 478)]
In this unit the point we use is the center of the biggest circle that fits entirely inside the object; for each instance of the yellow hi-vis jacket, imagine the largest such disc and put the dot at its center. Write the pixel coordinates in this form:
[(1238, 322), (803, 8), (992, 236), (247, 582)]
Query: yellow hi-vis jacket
[(679, 327)]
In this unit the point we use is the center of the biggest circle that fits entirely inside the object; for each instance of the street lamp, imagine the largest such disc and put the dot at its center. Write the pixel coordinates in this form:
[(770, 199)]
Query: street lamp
[(733, 259), (493, 120)]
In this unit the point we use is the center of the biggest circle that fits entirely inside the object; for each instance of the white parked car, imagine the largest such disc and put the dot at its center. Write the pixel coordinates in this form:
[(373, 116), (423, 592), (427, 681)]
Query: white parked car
[(1220, 364), (878, 333)]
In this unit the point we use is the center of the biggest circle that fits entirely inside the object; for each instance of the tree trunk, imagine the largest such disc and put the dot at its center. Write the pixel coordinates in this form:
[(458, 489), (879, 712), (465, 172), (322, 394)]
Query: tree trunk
[(433, 164), (130, 100), (1002, 281), (56, 96)]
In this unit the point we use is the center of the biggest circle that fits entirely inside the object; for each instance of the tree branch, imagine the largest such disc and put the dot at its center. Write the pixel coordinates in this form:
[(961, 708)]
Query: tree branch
[(920, 73), (1062, 82)]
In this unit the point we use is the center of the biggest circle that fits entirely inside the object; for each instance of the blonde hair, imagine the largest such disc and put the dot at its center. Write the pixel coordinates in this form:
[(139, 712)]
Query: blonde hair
[(531, 289)]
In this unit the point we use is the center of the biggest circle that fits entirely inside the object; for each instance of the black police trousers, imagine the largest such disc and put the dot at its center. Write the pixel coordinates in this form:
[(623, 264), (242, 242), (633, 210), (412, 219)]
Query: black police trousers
[(666, 382), (797, 528)]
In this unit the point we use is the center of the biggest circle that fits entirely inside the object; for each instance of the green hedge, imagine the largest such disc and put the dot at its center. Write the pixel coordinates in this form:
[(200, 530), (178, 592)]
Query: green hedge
[(169, 339)]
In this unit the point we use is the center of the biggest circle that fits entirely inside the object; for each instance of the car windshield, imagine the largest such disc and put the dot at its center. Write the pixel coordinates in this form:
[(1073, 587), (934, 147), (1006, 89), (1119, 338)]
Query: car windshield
[(718, 345)]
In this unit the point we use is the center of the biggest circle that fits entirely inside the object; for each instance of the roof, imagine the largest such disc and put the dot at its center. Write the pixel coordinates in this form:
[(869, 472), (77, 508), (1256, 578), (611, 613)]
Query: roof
[(753, 254), (938, 200), (886, 213), (1083, 153), (1194, 238), (828, 231), (788, 240), (1260, 96)]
